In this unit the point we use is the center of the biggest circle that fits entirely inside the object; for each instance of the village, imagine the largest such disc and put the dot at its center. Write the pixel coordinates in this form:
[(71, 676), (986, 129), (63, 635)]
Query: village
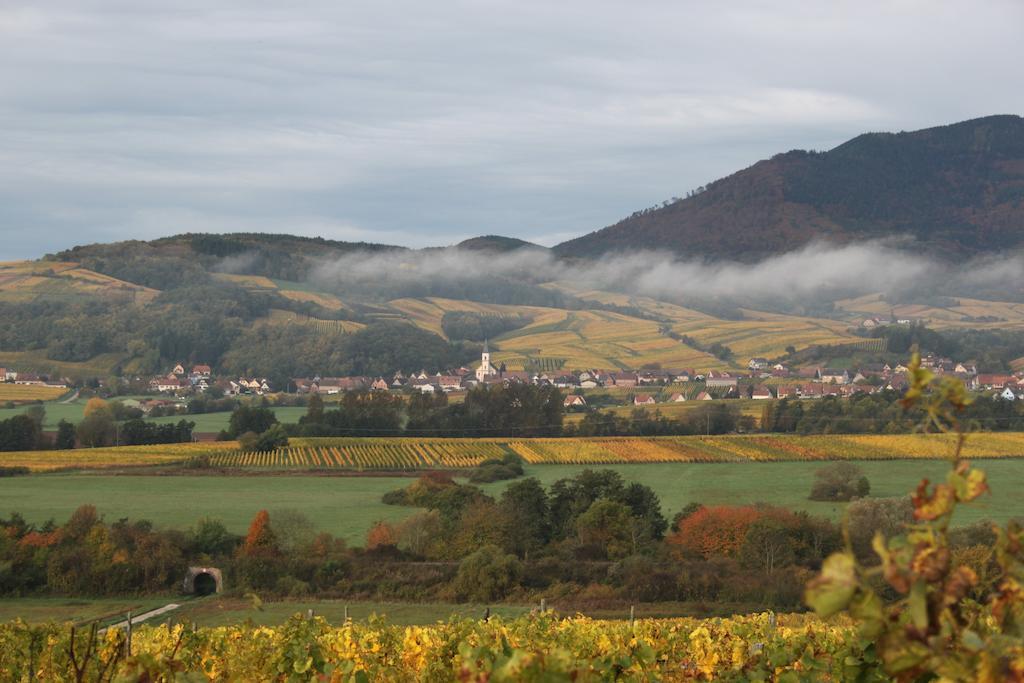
[(762, 380), (32, 379)]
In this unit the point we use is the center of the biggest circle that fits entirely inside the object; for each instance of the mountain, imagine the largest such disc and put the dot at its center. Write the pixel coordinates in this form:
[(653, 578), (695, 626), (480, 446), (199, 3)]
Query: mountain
[(171, 261), (956, 190), (497, 244)]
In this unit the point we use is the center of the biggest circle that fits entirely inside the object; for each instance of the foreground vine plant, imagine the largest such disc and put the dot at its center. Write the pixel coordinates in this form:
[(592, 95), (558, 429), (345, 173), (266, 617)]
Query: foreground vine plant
[(933, 630)]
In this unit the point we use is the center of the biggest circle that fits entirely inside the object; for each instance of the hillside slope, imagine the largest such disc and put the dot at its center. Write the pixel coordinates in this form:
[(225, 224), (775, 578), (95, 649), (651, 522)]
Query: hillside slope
[(957, 189)]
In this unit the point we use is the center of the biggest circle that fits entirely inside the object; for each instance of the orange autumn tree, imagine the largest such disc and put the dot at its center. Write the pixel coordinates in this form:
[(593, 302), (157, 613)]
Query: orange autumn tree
[(381, 534), (95, 406), (720, 530), (261, 538), (715, 530)]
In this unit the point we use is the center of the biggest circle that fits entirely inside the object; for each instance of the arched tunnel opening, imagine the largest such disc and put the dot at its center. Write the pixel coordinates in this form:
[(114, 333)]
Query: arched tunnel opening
[(204, 584)]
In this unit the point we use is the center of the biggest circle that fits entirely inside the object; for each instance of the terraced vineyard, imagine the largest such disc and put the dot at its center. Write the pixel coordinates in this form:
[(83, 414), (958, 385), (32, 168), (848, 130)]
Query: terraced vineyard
[(26, 281), (363, 454)]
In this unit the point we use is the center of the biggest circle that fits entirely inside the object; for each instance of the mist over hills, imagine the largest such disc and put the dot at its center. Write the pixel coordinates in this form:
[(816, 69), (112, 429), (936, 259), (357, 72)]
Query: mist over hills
[(950, 191), (933, 212), (793, 251)]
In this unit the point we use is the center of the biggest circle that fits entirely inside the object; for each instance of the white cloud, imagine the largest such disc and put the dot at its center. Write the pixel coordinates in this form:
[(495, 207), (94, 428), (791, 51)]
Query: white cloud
[(818, 271)]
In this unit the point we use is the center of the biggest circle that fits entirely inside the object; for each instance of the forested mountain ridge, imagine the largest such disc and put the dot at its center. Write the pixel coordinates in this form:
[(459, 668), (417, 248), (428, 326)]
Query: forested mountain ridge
[(168, 261), (497, 243), (957, 190)]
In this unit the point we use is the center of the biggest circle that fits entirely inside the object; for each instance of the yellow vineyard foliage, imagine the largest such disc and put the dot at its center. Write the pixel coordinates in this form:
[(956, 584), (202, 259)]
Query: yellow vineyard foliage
[(531, 648), (29, 392), (392, 453), (119, 456)]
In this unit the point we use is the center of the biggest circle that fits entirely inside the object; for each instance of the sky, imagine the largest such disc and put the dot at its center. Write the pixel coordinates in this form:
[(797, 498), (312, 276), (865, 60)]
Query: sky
[(421, 124)]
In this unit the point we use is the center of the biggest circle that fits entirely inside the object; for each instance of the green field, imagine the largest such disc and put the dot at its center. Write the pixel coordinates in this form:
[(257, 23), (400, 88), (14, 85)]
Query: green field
[(207, 422), (224, 612), (55, 412), (215, 422), (228, 611), (38, 610), (219, 611), (347, 506)]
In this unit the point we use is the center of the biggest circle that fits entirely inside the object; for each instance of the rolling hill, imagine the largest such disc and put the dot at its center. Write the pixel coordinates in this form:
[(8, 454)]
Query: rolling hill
[(956, 190), (498, 244), (281, 305)]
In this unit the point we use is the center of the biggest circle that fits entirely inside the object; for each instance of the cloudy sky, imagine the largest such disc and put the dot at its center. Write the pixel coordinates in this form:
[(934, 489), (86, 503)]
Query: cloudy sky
[(422, 123)]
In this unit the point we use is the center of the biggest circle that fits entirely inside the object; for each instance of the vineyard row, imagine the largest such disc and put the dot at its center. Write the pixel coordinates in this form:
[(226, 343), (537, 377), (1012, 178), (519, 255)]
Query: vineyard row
[(417, 453)]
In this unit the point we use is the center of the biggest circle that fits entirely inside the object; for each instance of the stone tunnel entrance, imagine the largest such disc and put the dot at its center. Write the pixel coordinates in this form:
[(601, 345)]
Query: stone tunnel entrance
[(203, 581), (205, 584)]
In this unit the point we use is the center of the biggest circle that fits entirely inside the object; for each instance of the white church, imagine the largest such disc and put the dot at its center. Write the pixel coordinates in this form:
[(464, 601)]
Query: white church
[(486, 369)]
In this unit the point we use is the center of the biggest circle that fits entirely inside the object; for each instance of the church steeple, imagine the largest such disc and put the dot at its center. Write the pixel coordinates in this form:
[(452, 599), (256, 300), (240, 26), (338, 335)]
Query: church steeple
[(485, 370)]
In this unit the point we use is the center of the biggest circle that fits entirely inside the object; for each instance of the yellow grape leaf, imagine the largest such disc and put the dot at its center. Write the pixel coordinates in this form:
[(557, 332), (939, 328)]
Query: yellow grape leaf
[(831, 591), (932, 506), (968, 483)]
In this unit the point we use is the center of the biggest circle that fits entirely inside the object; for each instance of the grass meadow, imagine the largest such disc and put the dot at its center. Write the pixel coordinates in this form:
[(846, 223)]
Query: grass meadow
[(207, 422), (346, 506)]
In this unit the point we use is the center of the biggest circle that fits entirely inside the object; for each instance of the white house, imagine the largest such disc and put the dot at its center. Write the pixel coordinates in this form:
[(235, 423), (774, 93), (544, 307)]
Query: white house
[(449, 383), (830, 376), (574, 401), (423, 386)]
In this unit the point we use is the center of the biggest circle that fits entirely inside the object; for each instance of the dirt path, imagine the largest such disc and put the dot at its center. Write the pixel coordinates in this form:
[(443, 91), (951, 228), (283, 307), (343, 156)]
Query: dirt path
[(72, 397), (146, 615)]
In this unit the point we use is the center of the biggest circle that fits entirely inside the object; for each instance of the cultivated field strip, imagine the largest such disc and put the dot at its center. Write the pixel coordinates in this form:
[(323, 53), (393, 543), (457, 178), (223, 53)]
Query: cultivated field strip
[(389, 454), (29, 392)]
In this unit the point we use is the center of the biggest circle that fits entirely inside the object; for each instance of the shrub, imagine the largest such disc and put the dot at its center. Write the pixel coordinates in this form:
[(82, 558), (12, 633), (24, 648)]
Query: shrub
[(197, 462), (247, 441), (13, 471), (497, 469), (488, 574), (868, 516), (840, 482), (273, 438), (485, 474)]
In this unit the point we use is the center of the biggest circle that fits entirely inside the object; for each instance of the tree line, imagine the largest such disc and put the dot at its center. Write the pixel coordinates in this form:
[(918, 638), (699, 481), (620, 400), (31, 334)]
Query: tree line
[(590, 541)]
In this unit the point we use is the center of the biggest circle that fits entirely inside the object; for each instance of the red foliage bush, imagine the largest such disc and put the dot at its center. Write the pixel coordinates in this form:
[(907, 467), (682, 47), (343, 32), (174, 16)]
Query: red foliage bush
[(719, 531)]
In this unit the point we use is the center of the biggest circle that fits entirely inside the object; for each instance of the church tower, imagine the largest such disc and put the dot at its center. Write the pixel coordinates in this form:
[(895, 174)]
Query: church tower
[(485, 370)]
